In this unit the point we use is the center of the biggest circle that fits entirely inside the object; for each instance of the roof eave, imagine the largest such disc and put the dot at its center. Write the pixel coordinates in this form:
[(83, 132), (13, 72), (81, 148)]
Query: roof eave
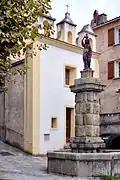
[(88, 33), (51, 18), (66, 22), (108, 22)]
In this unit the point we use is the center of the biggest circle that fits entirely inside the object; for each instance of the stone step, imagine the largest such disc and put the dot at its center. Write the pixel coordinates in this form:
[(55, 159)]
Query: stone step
[(67, 146)]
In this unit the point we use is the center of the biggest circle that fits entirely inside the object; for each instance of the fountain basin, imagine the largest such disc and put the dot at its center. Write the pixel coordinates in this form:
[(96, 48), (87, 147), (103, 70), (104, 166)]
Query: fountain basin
[(92, 165)]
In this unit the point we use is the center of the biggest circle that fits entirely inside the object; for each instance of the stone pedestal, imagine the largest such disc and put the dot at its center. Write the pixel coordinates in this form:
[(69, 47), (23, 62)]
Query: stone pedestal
[(87, 108), (90, 165)]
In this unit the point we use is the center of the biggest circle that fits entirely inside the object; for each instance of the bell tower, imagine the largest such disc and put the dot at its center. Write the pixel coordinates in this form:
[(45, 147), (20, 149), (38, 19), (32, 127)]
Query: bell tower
[(66, 29), (45, 20), (92, 37)]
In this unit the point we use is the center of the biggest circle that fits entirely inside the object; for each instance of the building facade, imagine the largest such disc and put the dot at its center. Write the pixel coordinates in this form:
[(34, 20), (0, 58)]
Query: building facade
[(39, 110), (108, 45), (57, 73)]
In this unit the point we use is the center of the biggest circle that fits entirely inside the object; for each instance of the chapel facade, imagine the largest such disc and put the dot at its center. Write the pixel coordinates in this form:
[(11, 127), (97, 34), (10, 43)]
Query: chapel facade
[(38, 112)]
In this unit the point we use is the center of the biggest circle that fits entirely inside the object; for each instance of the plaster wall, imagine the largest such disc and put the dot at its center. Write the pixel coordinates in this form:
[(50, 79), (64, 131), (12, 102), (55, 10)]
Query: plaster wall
[(54, 95), (110, 100)]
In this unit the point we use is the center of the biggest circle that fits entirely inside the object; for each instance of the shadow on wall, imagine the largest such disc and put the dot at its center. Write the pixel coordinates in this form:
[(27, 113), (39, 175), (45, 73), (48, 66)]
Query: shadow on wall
[(113, 142)]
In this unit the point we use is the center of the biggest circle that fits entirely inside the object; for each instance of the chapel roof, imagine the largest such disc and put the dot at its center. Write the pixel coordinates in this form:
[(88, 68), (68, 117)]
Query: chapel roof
[(87, 29), (84, 28), (67, 19), (48, 15)]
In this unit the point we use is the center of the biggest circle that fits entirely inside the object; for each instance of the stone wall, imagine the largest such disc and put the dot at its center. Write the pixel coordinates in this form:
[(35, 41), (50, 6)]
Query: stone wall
[(85, 165), (110, 123), (12, 111)]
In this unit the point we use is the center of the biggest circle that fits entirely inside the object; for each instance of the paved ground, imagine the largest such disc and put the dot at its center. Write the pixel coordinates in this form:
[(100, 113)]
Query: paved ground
[(16, 165)]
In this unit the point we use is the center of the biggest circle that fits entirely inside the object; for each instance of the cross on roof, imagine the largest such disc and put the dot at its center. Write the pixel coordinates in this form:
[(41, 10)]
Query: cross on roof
[(67, 7)]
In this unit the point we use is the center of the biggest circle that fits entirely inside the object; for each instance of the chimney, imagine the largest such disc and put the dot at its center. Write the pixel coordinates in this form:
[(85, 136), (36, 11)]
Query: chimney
[(102, 19)]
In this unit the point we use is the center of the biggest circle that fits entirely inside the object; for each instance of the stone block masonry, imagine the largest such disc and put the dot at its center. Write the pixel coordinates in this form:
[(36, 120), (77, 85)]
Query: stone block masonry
[(84, 165), (84, 160), (87, 109), (110, 123)]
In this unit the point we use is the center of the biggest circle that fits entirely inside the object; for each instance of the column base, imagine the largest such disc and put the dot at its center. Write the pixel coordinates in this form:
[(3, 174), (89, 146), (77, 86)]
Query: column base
[(87, 73), (87, 144)]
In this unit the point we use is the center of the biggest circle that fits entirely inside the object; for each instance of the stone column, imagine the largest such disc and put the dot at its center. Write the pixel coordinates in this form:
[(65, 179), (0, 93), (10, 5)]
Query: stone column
[(87, 119)]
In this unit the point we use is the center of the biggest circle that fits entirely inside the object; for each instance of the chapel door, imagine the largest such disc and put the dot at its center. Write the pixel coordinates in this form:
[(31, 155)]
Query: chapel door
[(68, 124)]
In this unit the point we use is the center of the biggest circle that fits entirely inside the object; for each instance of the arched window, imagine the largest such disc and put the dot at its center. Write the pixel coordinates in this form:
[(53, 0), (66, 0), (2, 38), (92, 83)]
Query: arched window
[(59, 34), (70, 37), (45, 23), (91, 43)]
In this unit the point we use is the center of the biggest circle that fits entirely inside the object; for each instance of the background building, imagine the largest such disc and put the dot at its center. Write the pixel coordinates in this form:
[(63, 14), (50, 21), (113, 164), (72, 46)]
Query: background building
[(108, 44)]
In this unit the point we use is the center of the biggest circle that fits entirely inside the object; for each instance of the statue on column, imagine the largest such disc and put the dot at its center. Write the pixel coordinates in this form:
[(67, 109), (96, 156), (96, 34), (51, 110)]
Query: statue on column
[(87, 53)]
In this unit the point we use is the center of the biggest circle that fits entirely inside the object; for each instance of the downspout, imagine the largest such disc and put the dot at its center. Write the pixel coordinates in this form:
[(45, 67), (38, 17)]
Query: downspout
[(4, 123), (4, 136), (3, 128)]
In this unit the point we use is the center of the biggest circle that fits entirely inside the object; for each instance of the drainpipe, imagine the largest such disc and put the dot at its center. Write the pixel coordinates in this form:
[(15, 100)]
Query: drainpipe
[(4, 136), (3, 132), (4, 123)]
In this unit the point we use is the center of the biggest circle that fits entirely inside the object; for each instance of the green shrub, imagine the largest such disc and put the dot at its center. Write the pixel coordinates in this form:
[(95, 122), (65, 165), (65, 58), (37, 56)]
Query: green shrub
[(110, 177)]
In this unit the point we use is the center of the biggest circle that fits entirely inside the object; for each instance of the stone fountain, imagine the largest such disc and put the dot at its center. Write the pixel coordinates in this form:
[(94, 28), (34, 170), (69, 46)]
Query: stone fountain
[(87, 158)]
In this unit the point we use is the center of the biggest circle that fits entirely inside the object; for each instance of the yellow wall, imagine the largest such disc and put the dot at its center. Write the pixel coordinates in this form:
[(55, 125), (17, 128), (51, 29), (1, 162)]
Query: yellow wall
[(70, 37), (32, 94), (96, 68), (91, 43), (60, 35), (73, 122), (32, 102)]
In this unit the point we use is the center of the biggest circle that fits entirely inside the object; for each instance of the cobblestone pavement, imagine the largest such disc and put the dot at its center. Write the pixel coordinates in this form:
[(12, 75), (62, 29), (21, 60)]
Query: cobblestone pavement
[(17, 165)]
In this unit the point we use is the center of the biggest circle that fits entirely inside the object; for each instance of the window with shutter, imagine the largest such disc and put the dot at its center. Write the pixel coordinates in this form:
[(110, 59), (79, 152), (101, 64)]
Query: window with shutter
[(119, 36), (70, 75), (111, 70), (117, 68), (111, 37), (67, 76)]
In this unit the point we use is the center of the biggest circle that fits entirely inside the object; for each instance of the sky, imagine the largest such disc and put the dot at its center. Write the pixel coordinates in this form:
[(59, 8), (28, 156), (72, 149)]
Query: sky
[(81, 11)]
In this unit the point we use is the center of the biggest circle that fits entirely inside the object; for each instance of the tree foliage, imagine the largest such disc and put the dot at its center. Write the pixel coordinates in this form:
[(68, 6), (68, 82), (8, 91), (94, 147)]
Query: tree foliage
[(18, 24)]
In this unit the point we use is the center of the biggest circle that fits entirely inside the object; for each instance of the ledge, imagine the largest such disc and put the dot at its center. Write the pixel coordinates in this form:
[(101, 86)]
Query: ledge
[(110, 123), (116, 44), (110, 114), (116, 78), (87, 86), (67, 86), (66, 46), (118, 91), (53, 129), (82, 156)]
